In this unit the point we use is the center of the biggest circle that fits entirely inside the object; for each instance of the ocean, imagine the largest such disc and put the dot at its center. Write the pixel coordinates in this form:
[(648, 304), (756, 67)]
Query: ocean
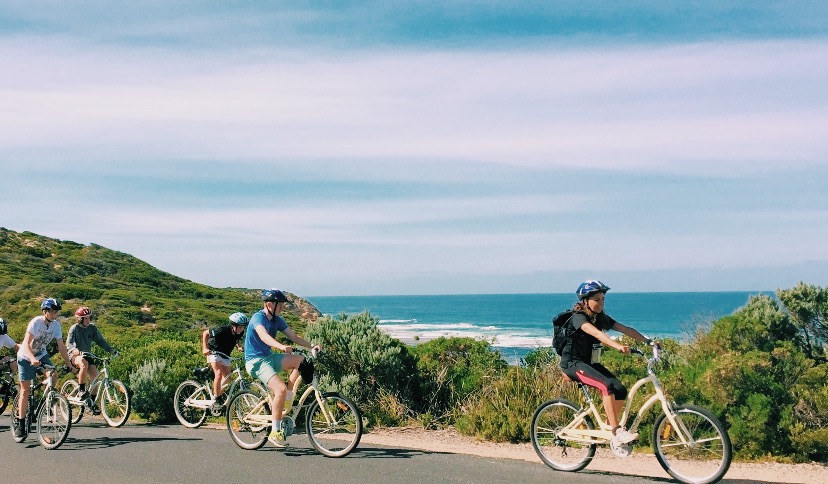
[(517, 323)]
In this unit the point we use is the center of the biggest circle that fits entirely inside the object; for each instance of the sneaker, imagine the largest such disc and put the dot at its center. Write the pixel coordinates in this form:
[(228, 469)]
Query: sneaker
[(277, 438), (623, 436), (18, 428)]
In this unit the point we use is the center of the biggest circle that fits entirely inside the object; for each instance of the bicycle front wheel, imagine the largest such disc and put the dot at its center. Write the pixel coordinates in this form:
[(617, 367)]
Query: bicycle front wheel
[(699, 451), (54, 419), (71, 388), (248, 420), (557, 452), (189, 415), (115, 403), (335, 426)]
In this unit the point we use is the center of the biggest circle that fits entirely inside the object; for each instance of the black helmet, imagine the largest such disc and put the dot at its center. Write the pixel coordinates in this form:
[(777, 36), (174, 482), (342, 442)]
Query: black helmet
[(274, 295), (4, 328)]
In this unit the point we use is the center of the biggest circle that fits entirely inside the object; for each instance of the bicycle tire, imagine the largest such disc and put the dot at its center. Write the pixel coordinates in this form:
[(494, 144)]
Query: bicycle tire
[(335, 428), (7, 396), (70, 388), (54, 420), (190, 416), (247, 434), (14, 411), (115, 403), (557, 453), (697, 462)]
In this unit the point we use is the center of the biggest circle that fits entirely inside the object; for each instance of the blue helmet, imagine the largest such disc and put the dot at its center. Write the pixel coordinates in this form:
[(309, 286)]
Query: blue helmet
[(588, 288), (239, 319), (274, 295), (4, 328), (51, 304)]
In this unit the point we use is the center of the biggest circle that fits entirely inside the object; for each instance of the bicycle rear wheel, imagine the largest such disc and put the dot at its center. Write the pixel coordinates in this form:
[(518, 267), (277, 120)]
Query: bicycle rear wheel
[(54, 419), (556, 452), (187, 414), (248, 420), (115, 403), (704, 458), (335, 427), (71, 388)]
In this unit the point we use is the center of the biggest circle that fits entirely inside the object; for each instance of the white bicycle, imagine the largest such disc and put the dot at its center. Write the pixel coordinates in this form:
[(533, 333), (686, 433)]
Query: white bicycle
[(333, 423), (690, 443), (109, 397), (195, 399)]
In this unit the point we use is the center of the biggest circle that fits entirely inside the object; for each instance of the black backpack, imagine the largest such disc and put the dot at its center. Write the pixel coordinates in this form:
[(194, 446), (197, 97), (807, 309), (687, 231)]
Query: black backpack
[(562, 331)]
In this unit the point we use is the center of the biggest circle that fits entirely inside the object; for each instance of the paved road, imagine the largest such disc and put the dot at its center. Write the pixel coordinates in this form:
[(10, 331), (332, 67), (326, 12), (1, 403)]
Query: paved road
[(167, 454)]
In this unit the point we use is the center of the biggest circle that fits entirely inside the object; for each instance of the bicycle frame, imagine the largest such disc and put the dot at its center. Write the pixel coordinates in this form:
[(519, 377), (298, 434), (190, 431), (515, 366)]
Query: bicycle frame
[(232, 380), (575, 431), (257, 419)]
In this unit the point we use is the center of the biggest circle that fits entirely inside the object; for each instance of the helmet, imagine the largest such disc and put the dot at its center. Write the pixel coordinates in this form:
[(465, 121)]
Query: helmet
[(239, 319), (4, 328), (50, 303), (83, 311), (274, 295), (588, 288)]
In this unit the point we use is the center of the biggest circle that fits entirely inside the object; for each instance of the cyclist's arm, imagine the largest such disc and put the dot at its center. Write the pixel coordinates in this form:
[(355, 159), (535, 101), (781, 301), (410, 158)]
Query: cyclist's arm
[(205, 335), (631, 332), (102, 342), (261, 332), (601, 336), (26, 347), (290, 333)]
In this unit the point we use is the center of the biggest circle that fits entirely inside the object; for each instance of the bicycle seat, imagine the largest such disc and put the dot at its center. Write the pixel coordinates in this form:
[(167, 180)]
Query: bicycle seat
[(203, 372)]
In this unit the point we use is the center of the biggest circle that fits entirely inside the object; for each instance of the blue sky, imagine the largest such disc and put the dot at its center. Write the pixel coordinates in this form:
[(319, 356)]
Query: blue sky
[(348, 148)]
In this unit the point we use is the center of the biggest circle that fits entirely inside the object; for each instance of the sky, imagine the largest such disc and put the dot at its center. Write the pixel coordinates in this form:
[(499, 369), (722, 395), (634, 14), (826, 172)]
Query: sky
[(428, 147)]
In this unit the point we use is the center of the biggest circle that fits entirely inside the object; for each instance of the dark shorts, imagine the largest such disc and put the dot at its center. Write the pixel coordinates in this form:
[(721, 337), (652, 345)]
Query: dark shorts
[(595, 375)]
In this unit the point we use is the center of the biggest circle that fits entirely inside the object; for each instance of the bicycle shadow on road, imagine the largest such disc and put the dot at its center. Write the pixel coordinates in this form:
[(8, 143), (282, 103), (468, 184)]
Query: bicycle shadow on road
[(105, 442), (366, 452), (666, 478)]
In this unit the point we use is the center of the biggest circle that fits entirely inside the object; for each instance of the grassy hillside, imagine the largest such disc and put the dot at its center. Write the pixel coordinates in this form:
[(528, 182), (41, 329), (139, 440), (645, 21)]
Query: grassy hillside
[(123, 291)]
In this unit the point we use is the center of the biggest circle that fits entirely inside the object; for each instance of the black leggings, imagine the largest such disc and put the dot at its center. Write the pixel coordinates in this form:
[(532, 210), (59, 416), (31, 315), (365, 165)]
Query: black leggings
[(595, 375)]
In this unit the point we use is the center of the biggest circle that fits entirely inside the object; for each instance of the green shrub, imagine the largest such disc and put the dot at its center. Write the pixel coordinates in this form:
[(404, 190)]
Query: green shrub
[(151, 392)]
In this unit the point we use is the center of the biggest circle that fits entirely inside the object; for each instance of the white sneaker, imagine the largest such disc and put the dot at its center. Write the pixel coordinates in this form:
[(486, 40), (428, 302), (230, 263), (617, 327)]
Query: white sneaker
[(623, 436)]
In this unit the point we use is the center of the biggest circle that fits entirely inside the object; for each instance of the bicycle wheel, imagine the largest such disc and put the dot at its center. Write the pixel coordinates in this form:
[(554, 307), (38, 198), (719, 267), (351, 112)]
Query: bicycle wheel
[(115, 403), (335, 427), (187, 414), (54, 419), (71, 388), (14, 412), (248, 420), (556, 452), (705, 457), (8, 392)]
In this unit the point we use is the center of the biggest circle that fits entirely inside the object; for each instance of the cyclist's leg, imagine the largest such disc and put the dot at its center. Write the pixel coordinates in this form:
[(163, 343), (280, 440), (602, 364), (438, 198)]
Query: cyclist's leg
[(616, 389), (291, 363), (83, 370), (91, 372), (219, 372), (26, 373), (266, 370), (596, 378)]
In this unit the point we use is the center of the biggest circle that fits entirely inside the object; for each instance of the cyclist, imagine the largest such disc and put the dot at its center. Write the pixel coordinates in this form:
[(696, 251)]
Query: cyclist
[(6, 341), (580, 359), (262, 363), (222, 339), (79, 341), (32, 353)]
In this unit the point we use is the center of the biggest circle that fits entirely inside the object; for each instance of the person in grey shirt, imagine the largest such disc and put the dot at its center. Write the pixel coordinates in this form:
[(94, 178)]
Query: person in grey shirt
[(79, 341)]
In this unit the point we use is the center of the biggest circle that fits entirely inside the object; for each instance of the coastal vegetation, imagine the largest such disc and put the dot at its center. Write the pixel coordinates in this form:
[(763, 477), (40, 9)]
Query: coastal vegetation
[(763, 369)]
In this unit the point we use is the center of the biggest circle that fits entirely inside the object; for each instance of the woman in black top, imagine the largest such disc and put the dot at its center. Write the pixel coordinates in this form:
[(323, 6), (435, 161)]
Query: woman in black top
[(581, 356), (222, 340)]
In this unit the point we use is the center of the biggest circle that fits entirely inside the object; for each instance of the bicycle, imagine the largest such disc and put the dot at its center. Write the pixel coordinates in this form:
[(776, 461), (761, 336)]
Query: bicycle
[(50, 410), (690, 443), (108, 397), (8, 387), (193, 399), (333, 422)]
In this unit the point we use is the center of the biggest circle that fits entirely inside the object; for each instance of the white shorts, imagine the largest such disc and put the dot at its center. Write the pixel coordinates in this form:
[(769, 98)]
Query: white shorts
[(214, 358)]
